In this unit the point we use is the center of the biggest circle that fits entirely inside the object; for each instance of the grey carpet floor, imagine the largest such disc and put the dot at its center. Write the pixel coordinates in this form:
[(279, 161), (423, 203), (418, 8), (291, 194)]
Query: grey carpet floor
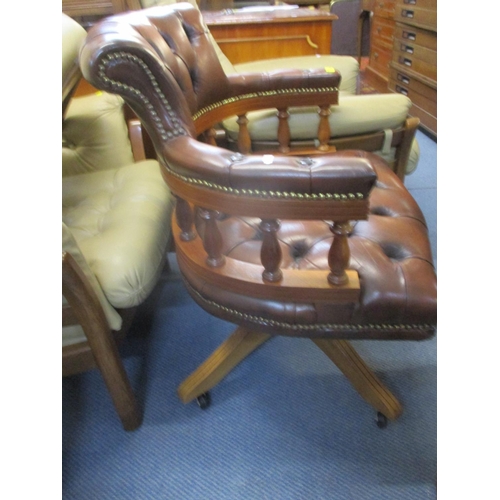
[(284, 425)]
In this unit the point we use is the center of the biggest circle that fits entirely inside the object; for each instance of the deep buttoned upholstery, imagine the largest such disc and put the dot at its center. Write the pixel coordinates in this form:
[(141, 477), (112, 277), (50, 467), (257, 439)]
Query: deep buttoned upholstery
[(251, 238)]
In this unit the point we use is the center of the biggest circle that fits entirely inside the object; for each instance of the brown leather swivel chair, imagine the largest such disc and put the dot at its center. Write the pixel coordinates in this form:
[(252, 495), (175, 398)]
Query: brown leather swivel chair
[(329, 246)]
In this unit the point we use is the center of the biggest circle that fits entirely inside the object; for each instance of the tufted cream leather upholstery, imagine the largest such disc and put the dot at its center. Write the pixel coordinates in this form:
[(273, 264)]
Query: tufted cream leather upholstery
[(347, 66), (105, 211), (95, 135), (357, 114), (73, 334)]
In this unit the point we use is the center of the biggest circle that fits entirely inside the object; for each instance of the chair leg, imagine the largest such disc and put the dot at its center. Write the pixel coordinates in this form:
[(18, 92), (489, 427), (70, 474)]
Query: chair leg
[(88, 311), (361, 377), (235, 349), (119, 387)]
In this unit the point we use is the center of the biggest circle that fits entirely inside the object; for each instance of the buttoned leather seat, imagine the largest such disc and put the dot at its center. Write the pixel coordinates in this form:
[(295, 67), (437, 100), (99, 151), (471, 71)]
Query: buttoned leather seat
[(328, 246), (390, 251)]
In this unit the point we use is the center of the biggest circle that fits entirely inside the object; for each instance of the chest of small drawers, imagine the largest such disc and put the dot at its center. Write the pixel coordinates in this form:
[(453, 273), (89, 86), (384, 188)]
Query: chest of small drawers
[(381, 39), (413, 69)]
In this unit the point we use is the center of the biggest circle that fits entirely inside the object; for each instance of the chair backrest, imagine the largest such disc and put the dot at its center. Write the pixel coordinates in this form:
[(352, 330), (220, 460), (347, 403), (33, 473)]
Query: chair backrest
[(144, 4), (168, 51), (178, 38)]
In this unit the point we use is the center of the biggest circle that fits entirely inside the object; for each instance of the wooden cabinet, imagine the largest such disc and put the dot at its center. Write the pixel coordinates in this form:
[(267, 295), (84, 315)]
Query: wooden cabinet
[(86, 12), (381, 41), (250, 36), (414, 58)]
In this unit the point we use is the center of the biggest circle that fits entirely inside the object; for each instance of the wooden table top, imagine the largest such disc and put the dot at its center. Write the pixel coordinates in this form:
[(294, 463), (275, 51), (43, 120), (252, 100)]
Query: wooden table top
[(266, 15)]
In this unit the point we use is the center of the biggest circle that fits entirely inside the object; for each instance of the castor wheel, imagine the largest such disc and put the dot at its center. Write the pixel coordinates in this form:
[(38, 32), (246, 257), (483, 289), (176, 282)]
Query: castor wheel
[(381, 420), (203, 400)]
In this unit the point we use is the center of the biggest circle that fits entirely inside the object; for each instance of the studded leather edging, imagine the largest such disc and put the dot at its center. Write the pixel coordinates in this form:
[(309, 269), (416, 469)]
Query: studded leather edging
[(264, 93), (354, 328)]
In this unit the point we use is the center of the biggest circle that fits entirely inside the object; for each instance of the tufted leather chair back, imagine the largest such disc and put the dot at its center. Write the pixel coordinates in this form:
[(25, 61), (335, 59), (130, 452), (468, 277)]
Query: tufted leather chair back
[(177, 40)]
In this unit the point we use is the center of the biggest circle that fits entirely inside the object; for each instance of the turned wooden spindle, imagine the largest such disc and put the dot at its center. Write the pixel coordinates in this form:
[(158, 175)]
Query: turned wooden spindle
[(244, 140), (212, 239), (210, 136), (339, 254), (324, 131), (270, 253), (284, 134), (184, 217)]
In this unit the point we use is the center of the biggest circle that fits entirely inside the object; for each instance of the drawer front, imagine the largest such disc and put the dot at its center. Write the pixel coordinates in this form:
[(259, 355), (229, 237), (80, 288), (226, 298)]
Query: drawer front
[(382, 29), (406, 81), (425, 66), (409, 14), (427, 104), (404, 47), (384, 8), (416, 36), (380, 58), (421, 4), (87, 8)]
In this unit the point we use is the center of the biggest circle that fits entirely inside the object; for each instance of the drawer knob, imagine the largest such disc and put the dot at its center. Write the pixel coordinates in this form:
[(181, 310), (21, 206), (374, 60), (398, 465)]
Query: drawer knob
[(401, 90), (404, 79), (409, 35)]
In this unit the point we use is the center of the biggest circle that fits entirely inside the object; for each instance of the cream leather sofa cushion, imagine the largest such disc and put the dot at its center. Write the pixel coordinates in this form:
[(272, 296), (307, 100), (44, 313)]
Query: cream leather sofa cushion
[(347, 66), (95, 135), (354, 115), (120, 220)]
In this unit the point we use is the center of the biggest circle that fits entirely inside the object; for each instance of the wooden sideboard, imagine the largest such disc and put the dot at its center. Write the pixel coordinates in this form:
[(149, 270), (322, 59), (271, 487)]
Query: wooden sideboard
[(267, 34)]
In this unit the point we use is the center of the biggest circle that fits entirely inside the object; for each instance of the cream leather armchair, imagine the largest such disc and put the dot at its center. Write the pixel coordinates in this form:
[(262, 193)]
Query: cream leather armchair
[(116, 212), (377, 123)]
